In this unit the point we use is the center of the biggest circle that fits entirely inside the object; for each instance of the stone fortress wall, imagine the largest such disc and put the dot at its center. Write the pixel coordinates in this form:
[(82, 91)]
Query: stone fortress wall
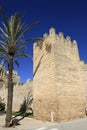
[(20, 90), (59, 85), (20, 93)]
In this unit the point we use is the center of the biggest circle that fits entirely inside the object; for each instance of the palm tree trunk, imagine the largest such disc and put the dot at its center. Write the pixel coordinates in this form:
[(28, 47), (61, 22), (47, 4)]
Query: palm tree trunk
[(10, 93)]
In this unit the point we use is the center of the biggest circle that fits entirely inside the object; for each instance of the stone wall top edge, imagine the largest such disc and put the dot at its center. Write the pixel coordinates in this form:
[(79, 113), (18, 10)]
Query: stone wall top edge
[(58, 37), (27, 84)]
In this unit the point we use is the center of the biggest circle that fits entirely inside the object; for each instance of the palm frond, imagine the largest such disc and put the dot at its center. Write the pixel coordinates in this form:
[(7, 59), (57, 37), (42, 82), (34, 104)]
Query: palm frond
[(29, 40), (16, 63), (22, 55), (28, 27), (5, 17), (3, 43), (3, 57), (20, 48), (17, 31), (3, 32), (28, 56), (16, 23), (7, 31), (3, 52), (2, 37), (24, 30)]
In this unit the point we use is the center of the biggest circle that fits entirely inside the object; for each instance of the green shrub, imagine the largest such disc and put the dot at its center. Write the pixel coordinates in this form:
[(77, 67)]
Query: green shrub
[(2, 105)]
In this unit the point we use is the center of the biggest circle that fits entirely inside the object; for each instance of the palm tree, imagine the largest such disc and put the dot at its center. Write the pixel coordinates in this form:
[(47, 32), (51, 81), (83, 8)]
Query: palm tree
[(12, 46)]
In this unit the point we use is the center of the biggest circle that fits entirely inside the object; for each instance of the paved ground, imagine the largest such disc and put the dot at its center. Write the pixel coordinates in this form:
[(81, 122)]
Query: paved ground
[(80, 124), (32, 124), (25, 124)]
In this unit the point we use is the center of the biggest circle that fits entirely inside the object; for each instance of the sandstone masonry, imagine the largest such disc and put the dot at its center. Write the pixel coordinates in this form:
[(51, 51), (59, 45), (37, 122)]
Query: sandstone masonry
[(20, 93), (60, 79), (20, 90)]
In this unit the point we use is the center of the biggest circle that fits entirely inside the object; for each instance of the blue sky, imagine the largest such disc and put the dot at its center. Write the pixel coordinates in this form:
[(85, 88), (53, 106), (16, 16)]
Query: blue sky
[(67, 16)]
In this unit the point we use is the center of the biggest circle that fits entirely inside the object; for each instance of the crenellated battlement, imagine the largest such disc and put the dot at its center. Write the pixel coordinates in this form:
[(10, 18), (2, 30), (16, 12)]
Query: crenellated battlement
[(59, 38), (61, 43)]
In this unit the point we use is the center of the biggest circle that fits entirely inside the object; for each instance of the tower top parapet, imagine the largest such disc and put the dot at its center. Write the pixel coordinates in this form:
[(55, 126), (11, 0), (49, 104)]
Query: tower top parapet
[(52, 31), (60, 38), (64, 44)]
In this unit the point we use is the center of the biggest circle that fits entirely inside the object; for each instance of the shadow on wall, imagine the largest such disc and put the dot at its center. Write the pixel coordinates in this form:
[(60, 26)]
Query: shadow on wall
[(48, 48), (26, 106)]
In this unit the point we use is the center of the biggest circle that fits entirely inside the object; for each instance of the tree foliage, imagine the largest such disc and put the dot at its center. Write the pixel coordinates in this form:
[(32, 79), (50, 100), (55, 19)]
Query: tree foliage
[(12, 46)]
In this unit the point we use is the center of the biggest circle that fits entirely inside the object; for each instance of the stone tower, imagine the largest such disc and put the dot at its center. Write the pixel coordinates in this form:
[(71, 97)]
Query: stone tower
[(58, 86)]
